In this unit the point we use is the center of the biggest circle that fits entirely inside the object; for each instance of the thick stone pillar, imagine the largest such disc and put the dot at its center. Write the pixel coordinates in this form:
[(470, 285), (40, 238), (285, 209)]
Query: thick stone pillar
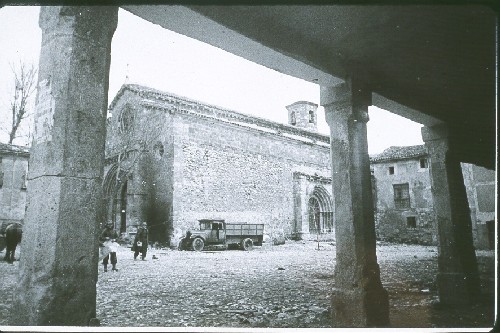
[(58, 267), (458, 279), (358, 299)]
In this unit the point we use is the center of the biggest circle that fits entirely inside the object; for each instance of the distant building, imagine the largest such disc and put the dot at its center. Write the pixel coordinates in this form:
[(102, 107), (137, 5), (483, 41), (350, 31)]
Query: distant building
[(171, 161), (403, 198), (13, 183), (404, 204)]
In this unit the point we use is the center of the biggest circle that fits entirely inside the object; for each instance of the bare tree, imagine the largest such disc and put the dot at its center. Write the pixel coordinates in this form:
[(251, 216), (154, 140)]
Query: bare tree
[(24, 88)]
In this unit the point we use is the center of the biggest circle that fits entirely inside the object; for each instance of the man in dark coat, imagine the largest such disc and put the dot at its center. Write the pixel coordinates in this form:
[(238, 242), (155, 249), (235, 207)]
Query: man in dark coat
[(13, 235), (141, 241)]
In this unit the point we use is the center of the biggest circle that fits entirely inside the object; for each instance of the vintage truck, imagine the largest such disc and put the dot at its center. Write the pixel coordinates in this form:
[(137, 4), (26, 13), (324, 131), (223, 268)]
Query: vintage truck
[(216, 233)]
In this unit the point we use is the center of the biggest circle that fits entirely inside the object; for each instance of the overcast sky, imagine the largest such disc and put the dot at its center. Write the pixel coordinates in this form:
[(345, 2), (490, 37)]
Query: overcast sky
[(152, 56)]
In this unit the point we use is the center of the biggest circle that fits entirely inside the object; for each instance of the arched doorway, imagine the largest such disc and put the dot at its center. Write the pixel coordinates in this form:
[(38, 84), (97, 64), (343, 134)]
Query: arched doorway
[(115, 198), (123, 207), (320, 211)]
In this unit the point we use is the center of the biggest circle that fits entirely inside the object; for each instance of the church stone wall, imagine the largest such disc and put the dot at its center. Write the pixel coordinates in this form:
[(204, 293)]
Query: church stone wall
[(239, 174)]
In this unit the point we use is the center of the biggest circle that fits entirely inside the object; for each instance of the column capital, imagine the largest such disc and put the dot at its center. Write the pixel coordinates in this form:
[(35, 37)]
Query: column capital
[(433, 133), (353, 92), (337, 95), (96, 24)]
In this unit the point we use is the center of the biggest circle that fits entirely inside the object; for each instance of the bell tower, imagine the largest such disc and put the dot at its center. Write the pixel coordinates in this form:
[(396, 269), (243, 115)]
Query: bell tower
[(303, 114)]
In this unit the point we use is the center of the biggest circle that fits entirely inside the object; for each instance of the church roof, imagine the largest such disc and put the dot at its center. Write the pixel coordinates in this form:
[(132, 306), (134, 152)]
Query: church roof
[(399, 153), (8, 149), (173, 103)]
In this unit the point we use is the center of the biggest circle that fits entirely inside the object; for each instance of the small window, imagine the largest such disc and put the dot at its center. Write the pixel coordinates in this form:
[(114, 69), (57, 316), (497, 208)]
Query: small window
[(23, 181), (411, 222), (293, 119), (1, 173), (401, 196), (391, 170), (423, 163), (311, 117), (158, 150)]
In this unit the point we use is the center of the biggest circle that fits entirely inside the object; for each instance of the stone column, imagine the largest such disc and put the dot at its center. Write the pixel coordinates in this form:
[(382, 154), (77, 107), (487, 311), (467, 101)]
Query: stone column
[(358, 299), (58, 266), (458, 279)]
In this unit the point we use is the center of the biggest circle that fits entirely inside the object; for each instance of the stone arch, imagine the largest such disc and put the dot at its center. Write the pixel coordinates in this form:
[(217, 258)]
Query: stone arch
[(320, 211), (115, 198)]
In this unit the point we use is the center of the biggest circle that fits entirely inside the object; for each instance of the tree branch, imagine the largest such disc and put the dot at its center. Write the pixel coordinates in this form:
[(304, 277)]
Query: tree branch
[(24, 88)]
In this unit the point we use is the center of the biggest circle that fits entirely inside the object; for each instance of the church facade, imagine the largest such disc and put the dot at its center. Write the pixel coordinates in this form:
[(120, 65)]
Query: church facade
[(171, 161)]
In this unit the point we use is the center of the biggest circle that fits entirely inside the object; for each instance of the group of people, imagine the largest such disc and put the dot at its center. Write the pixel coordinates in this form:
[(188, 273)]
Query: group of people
[(108, 238)]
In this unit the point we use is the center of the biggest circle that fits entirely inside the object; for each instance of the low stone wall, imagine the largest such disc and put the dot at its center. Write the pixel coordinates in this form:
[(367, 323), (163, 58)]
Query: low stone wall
[(391, 226)]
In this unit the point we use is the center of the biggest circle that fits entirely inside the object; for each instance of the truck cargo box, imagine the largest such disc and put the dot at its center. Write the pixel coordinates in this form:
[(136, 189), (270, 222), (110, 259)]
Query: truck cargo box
[(244, 229)]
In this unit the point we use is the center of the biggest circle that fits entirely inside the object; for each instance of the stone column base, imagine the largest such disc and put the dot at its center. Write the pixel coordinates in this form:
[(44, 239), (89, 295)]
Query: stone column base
[(360, 308), (455, 289)]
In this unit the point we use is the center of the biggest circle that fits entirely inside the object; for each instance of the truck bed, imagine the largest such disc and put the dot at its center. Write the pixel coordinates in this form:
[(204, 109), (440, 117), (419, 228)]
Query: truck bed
[(244, 229)]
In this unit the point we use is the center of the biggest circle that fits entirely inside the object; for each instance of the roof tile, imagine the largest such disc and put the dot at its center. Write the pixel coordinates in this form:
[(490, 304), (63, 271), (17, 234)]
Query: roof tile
[(399, 153)]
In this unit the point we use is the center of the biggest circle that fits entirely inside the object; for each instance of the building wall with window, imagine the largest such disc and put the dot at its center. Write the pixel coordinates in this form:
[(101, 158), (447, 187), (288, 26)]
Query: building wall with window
[(403, 198), (403, 201), (179, 161), (13, 183)]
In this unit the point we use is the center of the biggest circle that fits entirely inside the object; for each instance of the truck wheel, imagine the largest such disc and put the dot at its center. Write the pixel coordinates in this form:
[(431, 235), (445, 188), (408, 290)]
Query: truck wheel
[(247, 244), (198, 244)]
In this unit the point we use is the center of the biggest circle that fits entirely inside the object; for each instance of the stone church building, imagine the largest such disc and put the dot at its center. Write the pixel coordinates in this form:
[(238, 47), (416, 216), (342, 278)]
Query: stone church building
[(171, 161)]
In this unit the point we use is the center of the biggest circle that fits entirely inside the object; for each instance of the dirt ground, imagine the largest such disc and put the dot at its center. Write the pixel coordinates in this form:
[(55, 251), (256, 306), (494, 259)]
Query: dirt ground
[(285, 286)]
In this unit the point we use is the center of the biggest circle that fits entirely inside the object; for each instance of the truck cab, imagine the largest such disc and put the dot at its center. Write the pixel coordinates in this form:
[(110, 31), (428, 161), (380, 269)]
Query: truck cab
[(214, 230)]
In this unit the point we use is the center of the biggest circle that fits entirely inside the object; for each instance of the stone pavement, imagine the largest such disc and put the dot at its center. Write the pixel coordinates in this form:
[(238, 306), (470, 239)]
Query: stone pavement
[(271, 286)]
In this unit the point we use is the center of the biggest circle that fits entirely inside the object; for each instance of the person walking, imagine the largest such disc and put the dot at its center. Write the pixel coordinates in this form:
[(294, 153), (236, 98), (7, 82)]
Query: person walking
[(107, 239), (141, 241)]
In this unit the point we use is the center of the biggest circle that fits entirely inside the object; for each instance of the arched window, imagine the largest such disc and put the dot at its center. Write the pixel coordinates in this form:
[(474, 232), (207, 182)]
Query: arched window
[(24, 182), (293, 119), (314, 216), (158, 150), (126, 120)]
